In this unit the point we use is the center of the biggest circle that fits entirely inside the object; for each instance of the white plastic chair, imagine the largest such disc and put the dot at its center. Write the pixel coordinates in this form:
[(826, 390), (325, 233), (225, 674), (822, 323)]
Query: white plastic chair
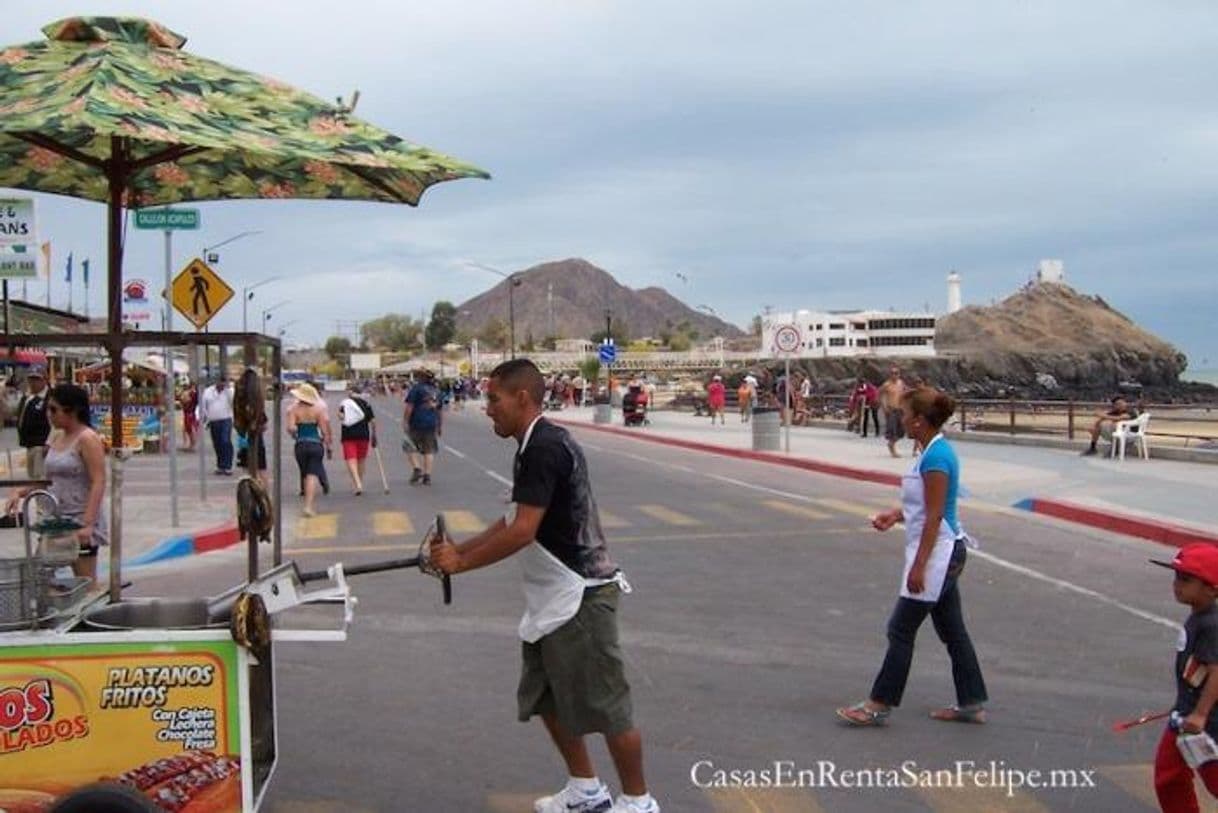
[(1132, 430)]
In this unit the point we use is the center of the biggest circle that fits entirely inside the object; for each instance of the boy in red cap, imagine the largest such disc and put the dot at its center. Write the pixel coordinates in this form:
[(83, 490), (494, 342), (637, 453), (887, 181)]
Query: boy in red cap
[(1196, 585)]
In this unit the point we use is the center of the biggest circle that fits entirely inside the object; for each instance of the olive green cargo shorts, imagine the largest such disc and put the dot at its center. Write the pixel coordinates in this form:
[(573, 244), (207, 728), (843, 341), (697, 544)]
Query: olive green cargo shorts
[(576, 673)]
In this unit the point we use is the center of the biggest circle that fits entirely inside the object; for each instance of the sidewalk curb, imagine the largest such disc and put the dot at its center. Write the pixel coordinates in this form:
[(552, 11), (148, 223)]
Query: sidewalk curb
[(1164, 533), (205, 541), (807, 464)]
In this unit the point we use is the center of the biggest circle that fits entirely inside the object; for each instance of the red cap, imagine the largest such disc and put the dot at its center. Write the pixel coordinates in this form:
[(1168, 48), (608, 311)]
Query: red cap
[(1199, 559)]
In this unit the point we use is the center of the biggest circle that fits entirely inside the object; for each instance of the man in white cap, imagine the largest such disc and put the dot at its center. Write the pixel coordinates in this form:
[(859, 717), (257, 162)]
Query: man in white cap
[(33, 426)]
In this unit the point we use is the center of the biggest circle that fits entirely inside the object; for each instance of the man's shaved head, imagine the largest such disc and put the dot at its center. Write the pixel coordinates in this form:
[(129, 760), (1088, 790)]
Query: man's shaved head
[(521, 375)]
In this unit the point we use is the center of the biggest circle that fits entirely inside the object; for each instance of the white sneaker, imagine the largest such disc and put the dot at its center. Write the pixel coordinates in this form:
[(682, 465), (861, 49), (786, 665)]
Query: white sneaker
[(623, 806), (572, 800)]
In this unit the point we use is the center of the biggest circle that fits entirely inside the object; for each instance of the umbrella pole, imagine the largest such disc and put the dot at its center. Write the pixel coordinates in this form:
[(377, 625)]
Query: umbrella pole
[(116, 172)]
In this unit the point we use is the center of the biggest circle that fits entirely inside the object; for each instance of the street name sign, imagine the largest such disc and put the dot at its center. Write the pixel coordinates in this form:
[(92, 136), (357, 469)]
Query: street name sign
[(166, 219), (198, 293)]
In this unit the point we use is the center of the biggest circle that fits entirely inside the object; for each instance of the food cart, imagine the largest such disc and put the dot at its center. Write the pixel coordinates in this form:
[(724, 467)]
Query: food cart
[(116, 705)]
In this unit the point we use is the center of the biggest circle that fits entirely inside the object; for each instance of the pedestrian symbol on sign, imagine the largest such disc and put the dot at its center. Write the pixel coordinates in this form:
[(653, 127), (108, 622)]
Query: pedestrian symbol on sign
[(198, 293)]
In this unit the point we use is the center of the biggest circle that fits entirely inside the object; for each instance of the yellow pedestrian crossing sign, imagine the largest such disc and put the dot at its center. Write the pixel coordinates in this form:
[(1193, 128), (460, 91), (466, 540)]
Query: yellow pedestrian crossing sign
[(198, 292)]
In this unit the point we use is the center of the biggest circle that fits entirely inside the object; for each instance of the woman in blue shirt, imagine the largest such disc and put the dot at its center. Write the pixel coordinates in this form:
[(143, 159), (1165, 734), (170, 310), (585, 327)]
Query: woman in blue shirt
[(935, 553)]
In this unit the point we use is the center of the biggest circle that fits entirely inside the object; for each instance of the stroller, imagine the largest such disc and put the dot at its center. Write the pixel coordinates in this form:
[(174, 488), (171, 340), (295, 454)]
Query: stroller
[(634, 406)]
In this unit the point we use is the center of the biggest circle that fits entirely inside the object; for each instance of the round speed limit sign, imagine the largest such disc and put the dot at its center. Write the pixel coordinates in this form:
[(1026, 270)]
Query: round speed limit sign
[(787, 339)]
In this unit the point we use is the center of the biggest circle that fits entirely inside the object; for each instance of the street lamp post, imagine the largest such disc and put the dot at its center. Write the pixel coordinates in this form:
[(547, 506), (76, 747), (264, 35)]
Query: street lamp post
[(247, 294), (513, 279), (266, 314)]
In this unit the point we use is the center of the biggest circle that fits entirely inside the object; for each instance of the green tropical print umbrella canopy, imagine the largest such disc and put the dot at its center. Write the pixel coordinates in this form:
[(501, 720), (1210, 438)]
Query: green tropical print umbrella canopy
[(189, 128)]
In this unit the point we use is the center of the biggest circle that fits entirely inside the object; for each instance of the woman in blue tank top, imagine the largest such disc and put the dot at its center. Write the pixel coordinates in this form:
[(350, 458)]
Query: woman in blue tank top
[(309, 425)]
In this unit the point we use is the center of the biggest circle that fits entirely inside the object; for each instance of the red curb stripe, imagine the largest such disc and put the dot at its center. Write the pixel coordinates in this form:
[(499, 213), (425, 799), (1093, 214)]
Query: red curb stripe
[(832, 469), (224, 536), (1162, 532)]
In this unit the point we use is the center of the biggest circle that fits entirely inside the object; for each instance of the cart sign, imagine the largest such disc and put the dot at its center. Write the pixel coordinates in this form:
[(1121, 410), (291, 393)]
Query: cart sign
[(136, 309), (787, 340), (160, 717), (198, 293)]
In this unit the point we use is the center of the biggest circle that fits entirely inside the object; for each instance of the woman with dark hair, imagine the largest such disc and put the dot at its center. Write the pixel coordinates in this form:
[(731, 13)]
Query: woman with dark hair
[(76, 467), (935, 553)]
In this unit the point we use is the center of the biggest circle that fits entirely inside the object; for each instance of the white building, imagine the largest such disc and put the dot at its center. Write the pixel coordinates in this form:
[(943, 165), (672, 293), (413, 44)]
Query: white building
[(1051, 271), (835, 334), (954, 300)]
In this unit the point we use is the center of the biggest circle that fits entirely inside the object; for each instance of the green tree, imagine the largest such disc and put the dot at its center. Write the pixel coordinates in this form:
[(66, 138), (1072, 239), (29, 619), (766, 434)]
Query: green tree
[(756, 326), (621, 333), (393, 331), (680, 343), (529, 345), (443, 325), (338, 346)]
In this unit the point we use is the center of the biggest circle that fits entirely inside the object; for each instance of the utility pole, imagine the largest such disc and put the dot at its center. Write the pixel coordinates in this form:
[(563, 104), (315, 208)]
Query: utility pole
[(550, 307)]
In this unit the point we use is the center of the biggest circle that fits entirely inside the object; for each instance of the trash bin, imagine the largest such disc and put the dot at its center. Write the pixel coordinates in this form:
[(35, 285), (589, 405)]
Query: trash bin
[(603, 414), (767, 429)]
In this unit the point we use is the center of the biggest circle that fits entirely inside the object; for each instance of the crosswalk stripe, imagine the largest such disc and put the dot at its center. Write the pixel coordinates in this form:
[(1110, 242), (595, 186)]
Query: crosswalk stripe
[(795, 510), (611, 520), (391, 523), (846, 507), (322, 526), (972, 799), (463, 522), (668, 515), (763, 800), (1136, 780)]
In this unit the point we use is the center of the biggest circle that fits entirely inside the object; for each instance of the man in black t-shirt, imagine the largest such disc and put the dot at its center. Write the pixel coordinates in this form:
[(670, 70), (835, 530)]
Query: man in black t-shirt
[(573, 674), (1196, 584), (1105, 422)]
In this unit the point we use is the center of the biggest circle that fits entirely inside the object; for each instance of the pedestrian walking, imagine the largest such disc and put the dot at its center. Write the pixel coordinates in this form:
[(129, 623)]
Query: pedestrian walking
[(76, 466), (358, 434), (190, 415), (33, 425), (424, 424), (716, 399), (867, 398), (573, 675), (216, 413), (1193, 715), (891, 393), (309, 427), (744, 395), (935, 555)]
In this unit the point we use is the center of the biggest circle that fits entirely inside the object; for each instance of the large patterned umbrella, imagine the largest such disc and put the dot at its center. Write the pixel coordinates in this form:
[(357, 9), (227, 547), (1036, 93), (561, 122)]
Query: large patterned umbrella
[(112, 109)]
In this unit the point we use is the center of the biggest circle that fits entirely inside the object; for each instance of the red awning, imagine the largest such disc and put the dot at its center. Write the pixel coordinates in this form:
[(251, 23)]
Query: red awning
[(27, 357)]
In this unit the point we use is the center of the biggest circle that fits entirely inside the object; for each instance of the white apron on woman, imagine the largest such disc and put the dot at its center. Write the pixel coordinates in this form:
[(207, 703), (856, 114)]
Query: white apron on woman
[(913, 508)]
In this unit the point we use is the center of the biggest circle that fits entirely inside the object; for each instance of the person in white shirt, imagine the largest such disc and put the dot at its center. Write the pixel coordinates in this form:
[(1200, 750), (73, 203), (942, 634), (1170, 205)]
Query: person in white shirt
[(216, 413)]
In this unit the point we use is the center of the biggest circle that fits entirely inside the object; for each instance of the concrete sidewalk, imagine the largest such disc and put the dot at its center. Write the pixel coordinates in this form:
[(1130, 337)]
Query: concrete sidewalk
[(1167, 501)]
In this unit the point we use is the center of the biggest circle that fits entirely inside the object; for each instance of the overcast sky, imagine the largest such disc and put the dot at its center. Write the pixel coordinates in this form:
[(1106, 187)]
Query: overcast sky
[(824, 155)]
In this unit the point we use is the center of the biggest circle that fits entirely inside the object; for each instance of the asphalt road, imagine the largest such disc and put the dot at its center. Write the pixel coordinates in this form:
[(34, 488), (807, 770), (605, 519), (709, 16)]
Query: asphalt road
[(759, 605)]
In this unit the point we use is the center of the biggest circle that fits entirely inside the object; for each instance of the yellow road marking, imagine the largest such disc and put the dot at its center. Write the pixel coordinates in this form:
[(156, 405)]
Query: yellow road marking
[(795, 510), (463, 522), (610, 520), (846, 507), (763, 800), (322, 526), (350, 549), (668, 515), (972, 799), (391, 523), (1137, 781)]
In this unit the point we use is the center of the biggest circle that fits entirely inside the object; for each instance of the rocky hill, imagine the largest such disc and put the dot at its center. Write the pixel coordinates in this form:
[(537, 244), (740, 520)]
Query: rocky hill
[(581, 293)]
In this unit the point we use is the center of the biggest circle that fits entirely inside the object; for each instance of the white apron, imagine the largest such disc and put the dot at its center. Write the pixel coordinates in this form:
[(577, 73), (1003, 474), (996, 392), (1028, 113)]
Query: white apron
[(913, 507)]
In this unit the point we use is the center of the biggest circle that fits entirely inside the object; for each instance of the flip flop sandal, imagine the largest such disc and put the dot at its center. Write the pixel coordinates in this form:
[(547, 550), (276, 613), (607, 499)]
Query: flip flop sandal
[(859, 716), (957, 714)]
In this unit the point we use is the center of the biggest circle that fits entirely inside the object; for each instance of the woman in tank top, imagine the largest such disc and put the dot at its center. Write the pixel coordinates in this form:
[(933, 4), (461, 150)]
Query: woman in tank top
[(76, 467), (309, 425)]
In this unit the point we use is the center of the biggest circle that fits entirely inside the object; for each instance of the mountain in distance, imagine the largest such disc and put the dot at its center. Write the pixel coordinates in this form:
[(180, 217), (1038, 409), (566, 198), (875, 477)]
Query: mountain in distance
[(581, 293)]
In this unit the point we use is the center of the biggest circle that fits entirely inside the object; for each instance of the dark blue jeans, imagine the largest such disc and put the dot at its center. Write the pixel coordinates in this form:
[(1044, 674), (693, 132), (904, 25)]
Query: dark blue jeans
[(948, 618), (222, 442)]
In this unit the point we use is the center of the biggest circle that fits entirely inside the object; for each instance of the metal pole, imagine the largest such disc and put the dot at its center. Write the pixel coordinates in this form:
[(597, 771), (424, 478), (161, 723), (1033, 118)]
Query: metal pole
[(276, 460), (512, 313), (786, 399), (170, 389), (197, 364), (245, 299)]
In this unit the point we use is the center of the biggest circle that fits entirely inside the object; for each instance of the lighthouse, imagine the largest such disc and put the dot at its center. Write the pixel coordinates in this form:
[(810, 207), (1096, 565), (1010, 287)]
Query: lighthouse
[(953, 292)]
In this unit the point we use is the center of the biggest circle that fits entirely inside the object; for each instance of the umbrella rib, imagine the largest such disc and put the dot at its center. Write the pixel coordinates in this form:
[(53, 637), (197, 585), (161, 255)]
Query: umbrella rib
[(164, 156), (376, 182), (40, 140)]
